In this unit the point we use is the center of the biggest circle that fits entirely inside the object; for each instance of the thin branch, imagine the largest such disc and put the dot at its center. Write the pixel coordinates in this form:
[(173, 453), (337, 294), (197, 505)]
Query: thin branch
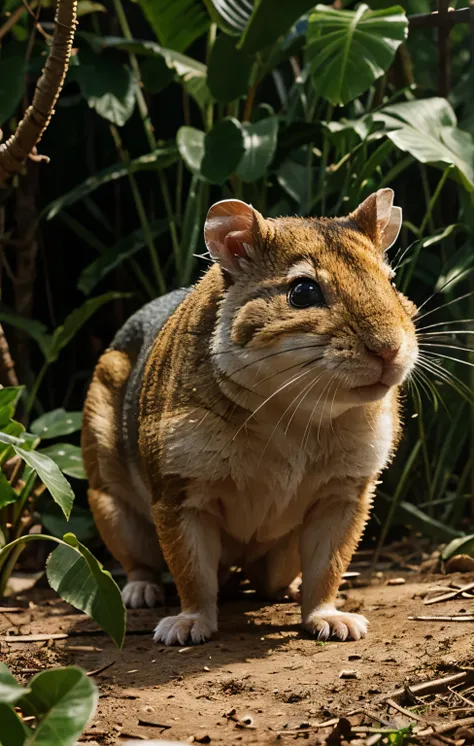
[(21, 144)]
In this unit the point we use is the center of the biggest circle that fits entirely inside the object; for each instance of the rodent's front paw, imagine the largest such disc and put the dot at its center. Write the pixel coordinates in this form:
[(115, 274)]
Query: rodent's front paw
[(184, 628), (326, 622), (139, 594)]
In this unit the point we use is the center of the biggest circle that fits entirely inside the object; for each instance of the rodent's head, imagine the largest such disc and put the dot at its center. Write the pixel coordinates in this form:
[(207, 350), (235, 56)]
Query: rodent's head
[(310, 294)]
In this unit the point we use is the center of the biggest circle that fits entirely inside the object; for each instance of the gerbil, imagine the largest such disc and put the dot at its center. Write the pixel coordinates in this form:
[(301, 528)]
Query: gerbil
[(245, 421)]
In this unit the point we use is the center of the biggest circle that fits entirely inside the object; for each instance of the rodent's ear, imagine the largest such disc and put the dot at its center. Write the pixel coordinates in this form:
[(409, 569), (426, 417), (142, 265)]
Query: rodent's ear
[(231, 233), (379, 219)]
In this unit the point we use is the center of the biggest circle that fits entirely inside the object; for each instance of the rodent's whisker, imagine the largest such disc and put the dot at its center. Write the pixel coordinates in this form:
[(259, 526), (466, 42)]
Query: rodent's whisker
[(443, 287), (447, 323), (444, 305), (397, 266), (292, 380), (444, 375), (427, 385), (290, 367), (444, 344), (308, 425), (302, 393), (452, 333), (293, 415), (323, 409), (448, 357), (264, 357)]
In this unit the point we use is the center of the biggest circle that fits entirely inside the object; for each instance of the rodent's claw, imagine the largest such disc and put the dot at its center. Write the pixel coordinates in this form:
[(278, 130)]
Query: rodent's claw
[(183, 629), (327, 622), (138, 594)]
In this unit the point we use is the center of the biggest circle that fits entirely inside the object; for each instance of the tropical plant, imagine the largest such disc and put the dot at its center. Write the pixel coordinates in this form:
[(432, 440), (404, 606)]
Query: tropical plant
[(56, 705), (295, 108), (27, 471)]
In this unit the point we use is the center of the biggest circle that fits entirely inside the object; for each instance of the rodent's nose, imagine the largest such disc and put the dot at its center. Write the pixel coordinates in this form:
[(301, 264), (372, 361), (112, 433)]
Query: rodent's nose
[(386, 353)]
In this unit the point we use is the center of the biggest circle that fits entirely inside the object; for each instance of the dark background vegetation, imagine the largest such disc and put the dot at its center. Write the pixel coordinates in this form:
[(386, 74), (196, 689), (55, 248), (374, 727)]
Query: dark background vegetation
[(320, 150)]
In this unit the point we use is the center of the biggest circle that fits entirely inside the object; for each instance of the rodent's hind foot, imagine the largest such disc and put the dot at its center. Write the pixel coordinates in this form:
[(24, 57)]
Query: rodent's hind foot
[(139, 594), (326, 621), (184, 628)]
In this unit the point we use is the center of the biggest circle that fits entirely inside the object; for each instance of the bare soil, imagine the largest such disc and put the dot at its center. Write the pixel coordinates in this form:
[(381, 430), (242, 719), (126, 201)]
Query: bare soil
[(261, 679)]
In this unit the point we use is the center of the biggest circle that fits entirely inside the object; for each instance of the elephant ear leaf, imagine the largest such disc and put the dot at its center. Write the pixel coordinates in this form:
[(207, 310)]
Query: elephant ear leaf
[(348, 50), (62, 701)]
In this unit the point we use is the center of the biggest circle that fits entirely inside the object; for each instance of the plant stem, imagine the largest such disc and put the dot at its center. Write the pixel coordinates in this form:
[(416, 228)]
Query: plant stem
[(148, 128), (140, 210), (324, 163), (8, 568), (31, 398), (211, 37), (431, 201)]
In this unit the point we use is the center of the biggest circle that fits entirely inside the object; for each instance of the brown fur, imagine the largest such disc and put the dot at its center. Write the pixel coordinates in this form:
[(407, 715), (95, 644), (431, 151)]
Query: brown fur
[(232, 478)]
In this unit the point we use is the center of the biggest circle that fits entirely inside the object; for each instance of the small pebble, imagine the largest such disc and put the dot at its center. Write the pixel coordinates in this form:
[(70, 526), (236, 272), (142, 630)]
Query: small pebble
[(349, 673), (396, 581)]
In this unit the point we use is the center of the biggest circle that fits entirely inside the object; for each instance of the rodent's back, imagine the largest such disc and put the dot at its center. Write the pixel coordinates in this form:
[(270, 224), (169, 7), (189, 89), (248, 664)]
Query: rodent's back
[(135, 338)]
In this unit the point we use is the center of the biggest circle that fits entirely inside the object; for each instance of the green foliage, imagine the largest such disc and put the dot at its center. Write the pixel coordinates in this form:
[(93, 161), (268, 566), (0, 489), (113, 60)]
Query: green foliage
[(428, 130), (348, 50), (462, 545), (12, 86), (81, 580), (52, 344), (108, 88), (68, 458), (71, 568), (56, 423), (51, 476), (176, 24), (228, 72), (61, 702), (296, 109), (157, 159)]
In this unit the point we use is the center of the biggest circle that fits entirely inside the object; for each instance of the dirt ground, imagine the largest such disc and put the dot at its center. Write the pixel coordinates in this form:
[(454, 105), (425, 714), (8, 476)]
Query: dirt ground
[(261, 679)]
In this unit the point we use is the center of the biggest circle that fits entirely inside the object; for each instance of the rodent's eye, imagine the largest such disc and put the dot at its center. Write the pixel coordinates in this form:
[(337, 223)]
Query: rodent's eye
[(305, 293)]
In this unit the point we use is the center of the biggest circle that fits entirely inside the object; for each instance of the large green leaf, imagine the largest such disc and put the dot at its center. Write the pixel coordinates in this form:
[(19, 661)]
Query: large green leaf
[(36, 329), (190, 142), (176, 24), (12, 85), (50, 475), (191, 73), (9, 395), (269, 20), (108, 87), (13, 732), (116, 254), (155, 74), (80, 580), (10, 690), (56, 423), (427, 129), (80, 523), (223, 149), (62, 701), (231, 15), (7, 493), (66, 332), (347, 50), (462, 545), (75, 574), (52, 344), (156, 160), (68, 457), (260, 140), (228, 71), (213, 156)]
